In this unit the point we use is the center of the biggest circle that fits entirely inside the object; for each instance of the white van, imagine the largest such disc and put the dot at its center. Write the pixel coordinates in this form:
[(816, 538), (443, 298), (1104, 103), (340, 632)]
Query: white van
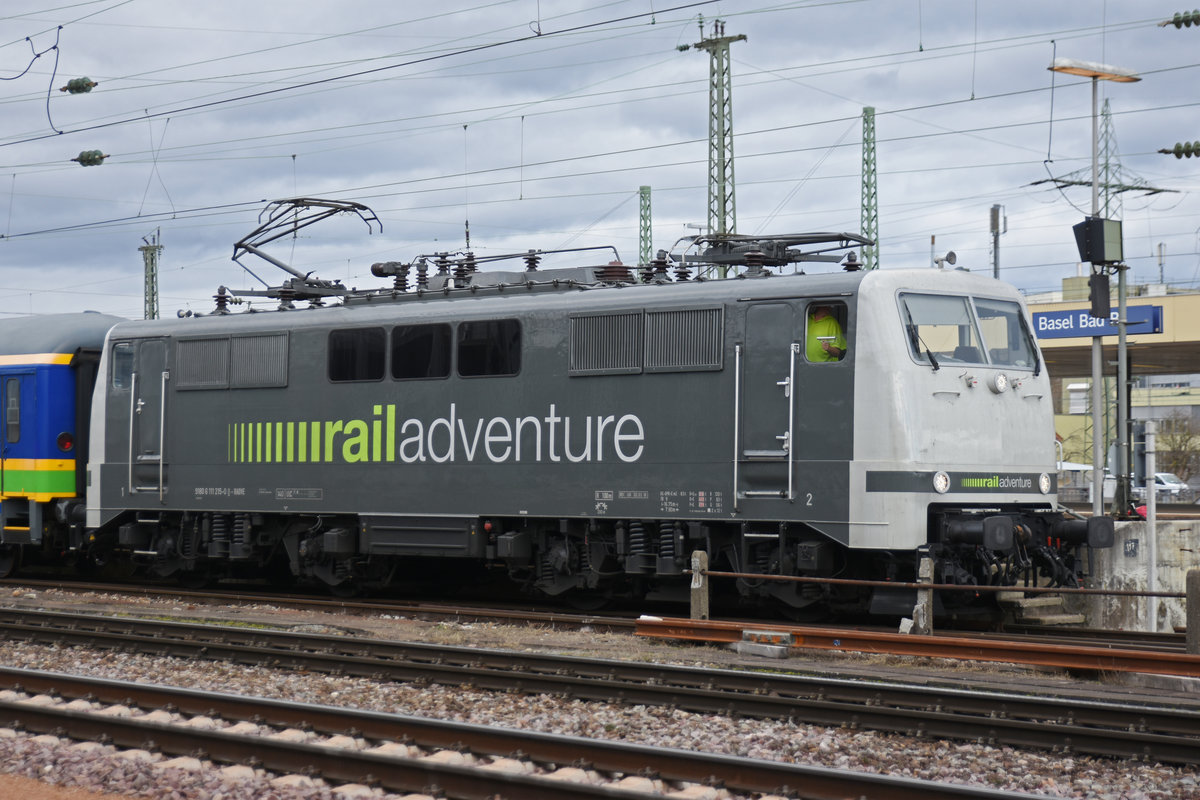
[(1167, 486)]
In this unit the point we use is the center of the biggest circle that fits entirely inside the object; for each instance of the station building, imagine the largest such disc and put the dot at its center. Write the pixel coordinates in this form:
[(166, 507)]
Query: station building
[(1163, 351)]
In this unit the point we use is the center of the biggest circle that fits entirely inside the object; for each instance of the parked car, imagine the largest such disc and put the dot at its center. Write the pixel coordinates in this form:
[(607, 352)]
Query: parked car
[(1167, 486)]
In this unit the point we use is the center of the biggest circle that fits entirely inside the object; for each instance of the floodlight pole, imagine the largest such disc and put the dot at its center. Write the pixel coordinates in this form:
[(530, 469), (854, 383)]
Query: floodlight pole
[(1099, 72), (1098, 454)]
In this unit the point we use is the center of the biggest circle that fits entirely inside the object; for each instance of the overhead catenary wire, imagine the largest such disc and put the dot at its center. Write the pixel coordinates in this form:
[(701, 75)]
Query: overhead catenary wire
[(863, 59), (361, 73), (522, 166)]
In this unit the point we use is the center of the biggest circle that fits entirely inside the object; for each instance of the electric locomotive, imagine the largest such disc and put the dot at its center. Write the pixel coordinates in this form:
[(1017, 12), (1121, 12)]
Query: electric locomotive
[(586, 429)]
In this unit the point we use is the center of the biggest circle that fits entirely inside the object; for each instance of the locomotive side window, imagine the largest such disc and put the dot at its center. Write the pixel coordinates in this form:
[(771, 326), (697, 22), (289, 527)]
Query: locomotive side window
[(122, 365), (489, 347), (12, 410), (1004, 332), (825, 334), (357, 354), (941, 325), (420, 351)]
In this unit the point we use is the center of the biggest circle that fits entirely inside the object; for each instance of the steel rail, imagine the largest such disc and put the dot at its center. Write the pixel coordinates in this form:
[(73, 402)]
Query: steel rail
[(1008, 650), (965, 588), (1170, 641), (732, 772), (360, 606), (1162, 732), (1095, 637)]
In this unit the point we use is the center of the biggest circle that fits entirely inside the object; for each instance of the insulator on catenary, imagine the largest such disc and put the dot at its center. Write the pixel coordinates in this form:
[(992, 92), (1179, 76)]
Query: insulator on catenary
[(1183, 20), (1184, 149), (90, 158), (79, 86)]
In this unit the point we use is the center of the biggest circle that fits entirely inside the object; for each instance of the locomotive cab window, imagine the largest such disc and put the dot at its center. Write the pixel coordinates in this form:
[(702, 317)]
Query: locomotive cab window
[(825, 332), (943, 326), (489, 347), (1008, 340), (357, 354), (420, 351), (962, 330), (122, 365)]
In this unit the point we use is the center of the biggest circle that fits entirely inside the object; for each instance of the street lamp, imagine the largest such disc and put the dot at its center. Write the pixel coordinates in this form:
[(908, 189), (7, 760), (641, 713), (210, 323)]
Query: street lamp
[(1105, 72)]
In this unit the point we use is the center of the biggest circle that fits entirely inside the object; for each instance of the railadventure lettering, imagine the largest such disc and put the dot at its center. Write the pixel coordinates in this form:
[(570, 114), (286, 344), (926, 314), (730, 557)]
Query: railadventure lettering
[(997, 482), (448, 439)]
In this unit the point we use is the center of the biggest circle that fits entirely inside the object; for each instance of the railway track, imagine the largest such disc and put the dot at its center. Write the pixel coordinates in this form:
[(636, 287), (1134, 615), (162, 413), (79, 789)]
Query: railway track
[(530, 615), (498, 613), (1075, 656), (403, 753), (1165, 641), (1160, 732)]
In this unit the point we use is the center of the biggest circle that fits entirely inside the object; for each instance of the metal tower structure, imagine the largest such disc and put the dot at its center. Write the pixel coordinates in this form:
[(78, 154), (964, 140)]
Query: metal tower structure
[(870, 199), (645, 238), (150, 251), (1111, 206), (1113, 179), (722, 211)]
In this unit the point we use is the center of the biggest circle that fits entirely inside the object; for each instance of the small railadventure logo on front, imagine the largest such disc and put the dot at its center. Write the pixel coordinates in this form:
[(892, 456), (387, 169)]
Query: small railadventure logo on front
[(997, 482)]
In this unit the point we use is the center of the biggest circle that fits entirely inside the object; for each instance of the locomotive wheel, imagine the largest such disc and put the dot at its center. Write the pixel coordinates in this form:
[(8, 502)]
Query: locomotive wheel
[(10, 559)]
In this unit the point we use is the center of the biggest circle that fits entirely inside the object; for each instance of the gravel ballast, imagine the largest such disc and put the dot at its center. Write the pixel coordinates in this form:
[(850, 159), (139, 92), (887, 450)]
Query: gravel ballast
[(99, 769)]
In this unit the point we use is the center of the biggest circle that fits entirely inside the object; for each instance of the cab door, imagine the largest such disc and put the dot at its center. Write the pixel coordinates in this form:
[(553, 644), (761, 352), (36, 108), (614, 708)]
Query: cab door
[(148, 412), (767, 409)]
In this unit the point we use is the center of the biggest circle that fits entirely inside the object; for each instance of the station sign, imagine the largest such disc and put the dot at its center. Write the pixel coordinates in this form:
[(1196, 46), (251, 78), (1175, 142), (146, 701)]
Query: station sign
[(1079, 322)]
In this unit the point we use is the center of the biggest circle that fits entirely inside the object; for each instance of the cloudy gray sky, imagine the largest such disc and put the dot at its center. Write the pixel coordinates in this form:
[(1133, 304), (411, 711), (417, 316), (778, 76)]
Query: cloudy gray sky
[(538, 120)]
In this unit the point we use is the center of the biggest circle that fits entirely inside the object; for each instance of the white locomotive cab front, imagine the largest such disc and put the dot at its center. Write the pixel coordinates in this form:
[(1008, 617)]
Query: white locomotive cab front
[(953, 411)]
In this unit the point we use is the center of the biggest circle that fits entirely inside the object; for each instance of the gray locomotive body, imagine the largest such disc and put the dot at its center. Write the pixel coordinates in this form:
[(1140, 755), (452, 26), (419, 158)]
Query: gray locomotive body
[(588, 438)]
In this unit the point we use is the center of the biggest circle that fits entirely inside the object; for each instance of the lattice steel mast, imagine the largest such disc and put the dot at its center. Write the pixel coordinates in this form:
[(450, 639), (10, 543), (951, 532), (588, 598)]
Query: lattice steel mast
[(870, 199), (722, 211), (645, 237), (150, 251)]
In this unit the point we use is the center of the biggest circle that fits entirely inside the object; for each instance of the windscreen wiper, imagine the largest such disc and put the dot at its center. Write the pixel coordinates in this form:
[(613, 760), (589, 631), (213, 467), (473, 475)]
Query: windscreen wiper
[(918, 342)]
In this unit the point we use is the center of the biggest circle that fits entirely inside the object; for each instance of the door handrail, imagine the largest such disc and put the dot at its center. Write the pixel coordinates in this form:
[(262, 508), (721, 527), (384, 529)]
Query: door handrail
[(162, 439), (132, 408), (737, 418), (791, 434)]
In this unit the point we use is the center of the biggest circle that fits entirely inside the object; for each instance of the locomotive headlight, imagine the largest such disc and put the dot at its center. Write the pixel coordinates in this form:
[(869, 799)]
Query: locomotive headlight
[(1044, 483), (65, 441), (998, 383), (941, 482)]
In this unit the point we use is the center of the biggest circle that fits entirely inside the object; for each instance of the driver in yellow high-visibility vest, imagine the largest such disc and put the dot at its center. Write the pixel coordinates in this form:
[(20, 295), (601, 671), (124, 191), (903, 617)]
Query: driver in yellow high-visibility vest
[(825, 341)]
